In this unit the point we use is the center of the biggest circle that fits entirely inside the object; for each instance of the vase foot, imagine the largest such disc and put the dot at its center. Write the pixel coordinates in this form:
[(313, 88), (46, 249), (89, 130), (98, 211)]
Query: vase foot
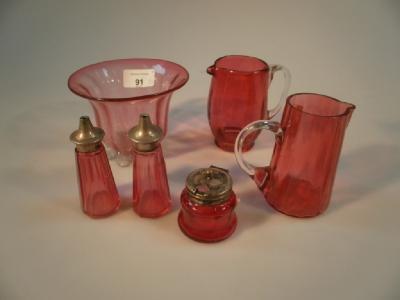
[(123, 160), (111, 153)]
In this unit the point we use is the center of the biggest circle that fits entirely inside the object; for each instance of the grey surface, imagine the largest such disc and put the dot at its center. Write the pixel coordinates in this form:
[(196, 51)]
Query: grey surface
[(50, 250)]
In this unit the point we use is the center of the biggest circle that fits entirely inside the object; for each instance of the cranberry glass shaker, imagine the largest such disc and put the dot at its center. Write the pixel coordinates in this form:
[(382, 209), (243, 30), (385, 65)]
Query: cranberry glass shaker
[(151, 196), (239, 95), (98, 193), (308, 142), (208, 202)]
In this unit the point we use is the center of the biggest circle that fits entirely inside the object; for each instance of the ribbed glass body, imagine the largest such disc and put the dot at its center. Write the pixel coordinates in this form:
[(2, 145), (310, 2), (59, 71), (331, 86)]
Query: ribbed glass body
[(239, 95), (303, 166), (151, 196), (117, 105), (98, 193), (309, 139), (205, 222)]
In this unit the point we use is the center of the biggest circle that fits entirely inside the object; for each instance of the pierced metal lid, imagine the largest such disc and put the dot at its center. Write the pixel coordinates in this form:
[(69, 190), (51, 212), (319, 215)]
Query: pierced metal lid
[(145, 136), (87, 138), (211, 185)]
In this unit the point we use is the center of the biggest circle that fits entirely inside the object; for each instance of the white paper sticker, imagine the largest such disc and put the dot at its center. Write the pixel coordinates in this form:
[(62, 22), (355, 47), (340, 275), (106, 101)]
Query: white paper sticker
[(138, 78)]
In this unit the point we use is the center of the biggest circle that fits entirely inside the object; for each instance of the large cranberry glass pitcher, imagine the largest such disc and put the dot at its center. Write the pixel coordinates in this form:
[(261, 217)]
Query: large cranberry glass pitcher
[(120, 90), (308, 142), (239, 95)]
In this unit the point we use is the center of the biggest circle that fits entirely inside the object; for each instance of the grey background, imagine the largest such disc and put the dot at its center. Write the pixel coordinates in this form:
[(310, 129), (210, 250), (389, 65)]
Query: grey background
[(50, 250)]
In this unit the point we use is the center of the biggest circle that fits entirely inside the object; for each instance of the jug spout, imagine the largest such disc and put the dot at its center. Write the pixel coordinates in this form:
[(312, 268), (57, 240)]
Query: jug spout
[(211, 70), (349, 111)]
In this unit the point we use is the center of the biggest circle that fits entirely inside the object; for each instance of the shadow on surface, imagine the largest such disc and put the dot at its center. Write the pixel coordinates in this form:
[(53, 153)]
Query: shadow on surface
[(189, 129), (252, 209), (175, 178), (364, 171), (125, 196)]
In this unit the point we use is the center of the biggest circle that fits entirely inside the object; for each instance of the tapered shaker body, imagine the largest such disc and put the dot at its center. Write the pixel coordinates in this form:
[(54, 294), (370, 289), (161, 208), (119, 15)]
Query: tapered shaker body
[(150, 191), (98, 192)]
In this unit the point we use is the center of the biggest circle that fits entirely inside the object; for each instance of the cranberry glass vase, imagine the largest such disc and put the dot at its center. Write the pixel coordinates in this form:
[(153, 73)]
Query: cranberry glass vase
[(151, 196), (239, 95), (309, 139), (119, 90)]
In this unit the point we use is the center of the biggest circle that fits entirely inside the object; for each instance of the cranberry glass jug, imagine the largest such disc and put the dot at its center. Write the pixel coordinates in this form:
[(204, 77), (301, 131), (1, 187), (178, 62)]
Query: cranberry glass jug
[(239, 95), (308, 142), (119, 90)]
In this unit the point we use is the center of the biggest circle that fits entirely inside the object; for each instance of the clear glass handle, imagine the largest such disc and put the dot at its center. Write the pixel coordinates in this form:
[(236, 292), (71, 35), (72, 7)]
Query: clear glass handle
[(286, 84), (251, 170)]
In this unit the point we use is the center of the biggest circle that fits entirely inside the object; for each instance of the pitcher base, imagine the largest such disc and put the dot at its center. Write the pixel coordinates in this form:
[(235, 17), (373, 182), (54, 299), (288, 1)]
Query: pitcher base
[(230, 147)]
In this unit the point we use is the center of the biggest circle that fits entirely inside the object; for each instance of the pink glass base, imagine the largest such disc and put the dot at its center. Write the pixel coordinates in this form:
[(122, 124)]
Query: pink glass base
[(150, 191), (297, 214), (100, 216), (98, 193), (229, 147), (155, 215), (207, 237)]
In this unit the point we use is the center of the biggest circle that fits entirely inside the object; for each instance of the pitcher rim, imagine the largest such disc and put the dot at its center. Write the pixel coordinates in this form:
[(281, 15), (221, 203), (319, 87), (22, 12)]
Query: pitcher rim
[(264, 69), (128, 98), (349, 109)]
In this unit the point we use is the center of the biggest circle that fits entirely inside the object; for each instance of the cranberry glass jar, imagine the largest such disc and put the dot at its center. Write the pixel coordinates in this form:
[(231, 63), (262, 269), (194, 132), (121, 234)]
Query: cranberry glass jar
[(208, 202)]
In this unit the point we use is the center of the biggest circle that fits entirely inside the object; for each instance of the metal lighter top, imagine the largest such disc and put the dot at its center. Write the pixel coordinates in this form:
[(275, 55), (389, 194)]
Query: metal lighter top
[(211, 185)]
